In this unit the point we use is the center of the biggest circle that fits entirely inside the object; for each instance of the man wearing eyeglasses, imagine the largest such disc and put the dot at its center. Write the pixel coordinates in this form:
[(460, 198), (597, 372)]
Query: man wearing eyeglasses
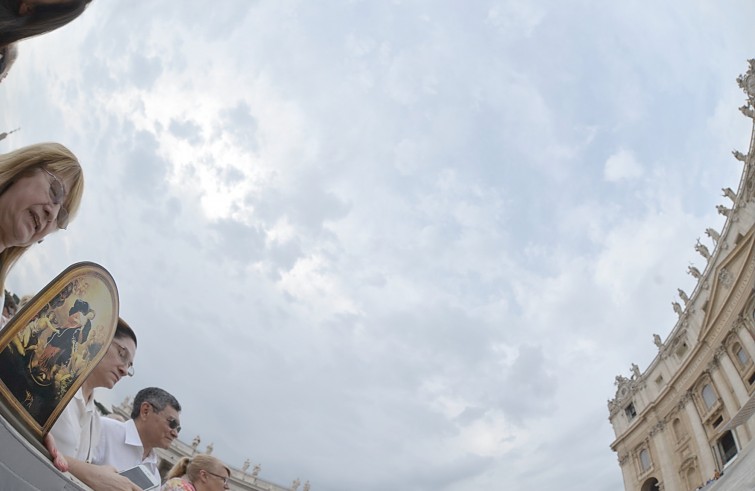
[(73, 438), (154, 424)]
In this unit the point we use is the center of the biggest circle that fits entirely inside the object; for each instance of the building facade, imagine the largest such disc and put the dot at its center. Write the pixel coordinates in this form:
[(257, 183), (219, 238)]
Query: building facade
[(686, 416)]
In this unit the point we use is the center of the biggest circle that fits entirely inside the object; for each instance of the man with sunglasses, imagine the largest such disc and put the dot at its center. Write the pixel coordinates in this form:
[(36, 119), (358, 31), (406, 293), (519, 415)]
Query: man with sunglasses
[(76, 433), (154, 424)]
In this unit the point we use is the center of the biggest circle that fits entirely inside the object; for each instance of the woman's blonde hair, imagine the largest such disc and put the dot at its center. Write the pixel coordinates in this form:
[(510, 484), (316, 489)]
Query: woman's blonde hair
[(190, 467), (51, 156)]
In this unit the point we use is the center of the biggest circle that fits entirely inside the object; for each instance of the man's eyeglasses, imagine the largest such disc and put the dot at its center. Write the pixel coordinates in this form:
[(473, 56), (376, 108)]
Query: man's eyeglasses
[(173, 423), (223, 478), (58, 194), (123, 355)]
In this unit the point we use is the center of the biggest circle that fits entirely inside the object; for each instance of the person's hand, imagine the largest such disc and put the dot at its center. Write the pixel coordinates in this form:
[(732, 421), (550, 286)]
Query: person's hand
[(101, 477), (58, 460), (106, 478)]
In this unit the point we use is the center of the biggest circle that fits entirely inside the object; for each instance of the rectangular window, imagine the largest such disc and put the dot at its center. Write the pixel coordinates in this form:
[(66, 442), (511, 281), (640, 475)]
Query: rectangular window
[(630, 411), (709, 396), (742, 357), (644, 460)]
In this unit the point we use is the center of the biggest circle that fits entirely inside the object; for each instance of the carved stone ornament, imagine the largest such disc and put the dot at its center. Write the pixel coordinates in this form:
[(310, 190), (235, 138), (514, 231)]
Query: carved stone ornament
[(677, 308), (728, 193), (622, 457), (694, 272), (657, 341), (747, 81), (725, 278), (683, 296), (740, 323), (720, 351), (715, 236), (702, 250), (683, 400), (658, 427), (747, 111), (625, 388), (722, 210), (739, 155), (635, 371)]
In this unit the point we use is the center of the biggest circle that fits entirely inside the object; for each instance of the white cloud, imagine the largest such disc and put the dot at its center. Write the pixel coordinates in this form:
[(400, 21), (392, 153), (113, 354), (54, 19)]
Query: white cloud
[(621, 166)]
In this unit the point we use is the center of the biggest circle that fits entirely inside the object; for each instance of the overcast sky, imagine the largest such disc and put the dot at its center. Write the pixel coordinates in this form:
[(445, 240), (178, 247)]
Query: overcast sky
[(392, 244)]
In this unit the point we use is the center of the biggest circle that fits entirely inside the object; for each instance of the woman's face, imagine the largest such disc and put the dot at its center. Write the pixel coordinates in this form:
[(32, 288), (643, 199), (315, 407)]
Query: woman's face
[(29, 209), (216, 480)]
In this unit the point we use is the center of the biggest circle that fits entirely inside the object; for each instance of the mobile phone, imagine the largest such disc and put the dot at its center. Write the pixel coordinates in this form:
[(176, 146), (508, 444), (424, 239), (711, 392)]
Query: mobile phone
[(140, 476)]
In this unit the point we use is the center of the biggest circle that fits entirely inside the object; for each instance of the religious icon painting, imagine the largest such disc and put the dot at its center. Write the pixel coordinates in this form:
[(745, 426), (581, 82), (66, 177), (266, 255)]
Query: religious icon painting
[(54, 341)]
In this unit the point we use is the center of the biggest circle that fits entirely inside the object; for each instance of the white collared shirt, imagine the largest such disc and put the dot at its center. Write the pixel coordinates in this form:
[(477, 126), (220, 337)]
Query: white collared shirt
[(121, 447), (77, 429)]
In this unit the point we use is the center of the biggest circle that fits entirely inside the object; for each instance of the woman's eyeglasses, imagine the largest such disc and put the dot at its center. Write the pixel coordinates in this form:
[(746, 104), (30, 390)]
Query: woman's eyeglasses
[(58, 194), (223, 478)]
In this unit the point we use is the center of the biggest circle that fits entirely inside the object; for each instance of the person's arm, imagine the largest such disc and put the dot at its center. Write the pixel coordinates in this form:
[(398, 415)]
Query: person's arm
[(100, 477), (58, 460)]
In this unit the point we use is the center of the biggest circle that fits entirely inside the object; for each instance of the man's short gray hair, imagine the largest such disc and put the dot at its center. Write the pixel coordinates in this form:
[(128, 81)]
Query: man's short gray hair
[(156, 397)]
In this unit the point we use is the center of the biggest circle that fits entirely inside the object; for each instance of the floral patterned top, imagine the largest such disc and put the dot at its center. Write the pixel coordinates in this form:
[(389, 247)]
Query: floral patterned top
[(178, 484)]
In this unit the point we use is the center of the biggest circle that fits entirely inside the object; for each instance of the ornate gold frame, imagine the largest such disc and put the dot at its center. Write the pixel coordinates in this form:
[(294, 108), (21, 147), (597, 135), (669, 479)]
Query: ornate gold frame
[(74, 319)]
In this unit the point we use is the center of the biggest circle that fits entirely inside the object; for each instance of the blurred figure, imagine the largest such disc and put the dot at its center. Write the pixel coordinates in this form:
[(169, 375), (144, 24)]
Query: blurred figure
[(8, 55), (20, 19), (200, 473), (9, 308)]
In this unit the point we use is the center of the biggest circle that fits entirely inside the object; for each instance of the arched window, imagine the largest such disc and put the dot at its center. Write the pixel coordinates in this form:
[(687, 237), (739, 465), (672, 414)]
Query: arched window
[(678, 430), (709, 397), (644, 459)]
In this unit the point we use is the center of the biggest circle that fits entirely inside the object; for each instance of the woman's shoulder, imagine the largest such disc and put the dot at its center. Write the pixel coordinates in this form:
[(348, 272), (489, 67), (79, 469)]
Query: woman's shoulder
[(177, 484)]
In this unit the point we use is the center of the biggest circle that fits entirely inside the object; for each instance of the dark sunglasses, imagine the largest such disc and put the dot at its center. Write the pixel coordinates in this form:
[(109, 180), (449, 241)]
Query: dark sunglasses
[(173, 424)]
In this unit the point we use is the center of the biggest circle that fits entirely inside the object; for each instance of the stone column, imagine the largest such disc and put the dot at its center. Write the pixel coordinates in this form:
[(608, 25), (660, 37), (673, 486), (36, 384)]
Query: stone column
[(731, 406), (704, 452), (668, 471), (740, 391), (745, 336)]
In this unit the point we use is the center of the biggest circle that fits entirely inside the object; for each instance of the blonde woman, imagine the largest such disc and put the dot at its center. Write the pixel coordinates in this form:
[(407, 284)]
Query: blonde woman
[(200, 473), (40, 191)]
